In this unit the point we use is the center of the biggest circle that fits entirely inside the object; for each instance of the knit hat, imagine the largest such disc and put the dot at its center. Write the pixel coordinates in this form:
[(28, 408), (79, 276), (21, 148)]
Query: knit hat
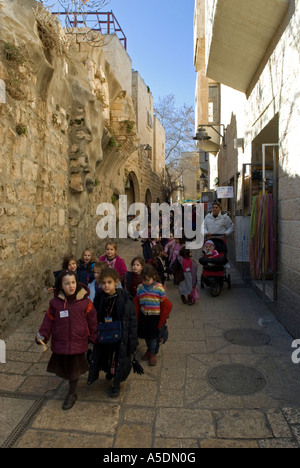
[(209, 242)]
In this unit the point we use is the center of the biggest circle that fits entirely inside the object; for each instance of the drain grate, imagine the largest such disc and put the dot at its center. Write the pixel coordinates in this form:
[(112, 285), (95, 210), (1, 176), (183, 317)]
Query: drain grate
[(247, 337), (17, 432), (236, 379)]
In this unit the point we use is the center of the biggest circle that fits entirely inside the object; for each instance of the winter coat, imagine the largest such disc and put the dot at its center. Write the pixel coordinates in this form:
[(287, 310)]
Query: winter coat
[(125, 312), (220, 225), (131, 282), (71, 323), (120, 265), (178, 273), (85, 272)]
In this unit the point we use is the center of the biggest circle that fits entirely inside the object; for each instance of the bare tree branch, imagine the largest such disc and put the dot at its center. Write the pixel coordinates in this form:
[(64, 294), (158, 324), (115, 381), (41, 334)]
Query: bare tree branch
[(179, 126), (78, 12)]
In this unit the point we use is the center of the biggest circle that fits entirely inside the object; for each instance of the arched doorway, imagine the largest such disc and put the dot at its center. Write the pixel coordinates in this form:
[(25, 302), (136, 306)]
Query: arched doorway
[(132, 189), (129, 190)]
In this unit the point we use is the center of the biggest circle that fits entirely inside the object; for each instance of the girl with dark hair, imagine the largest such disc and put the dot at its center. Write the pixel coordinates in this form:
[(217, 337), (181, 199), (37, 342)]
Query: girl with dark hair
[(134, 277), (117, 332), (185, 275), (156, 261), (71, 321), (70, 263)]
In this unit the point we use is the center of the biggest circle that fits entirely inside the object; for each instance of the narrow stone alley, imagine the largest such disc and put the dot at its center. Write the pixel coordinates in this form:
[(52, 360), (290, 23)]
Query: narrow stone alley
[(225, 378)]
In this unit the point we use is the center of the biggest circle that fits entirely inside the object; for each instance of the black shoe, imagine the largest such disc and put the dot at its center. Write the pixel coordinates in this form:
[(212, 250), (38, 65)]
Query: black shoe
[(114, 391), (184, 299), (69, 401), (91, 379)]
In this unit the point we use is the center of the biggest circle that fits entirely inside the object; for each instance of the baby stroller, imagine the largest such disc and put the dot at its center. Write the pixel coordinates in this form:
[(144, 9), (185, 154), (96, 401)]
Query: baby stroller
[(214, 272)]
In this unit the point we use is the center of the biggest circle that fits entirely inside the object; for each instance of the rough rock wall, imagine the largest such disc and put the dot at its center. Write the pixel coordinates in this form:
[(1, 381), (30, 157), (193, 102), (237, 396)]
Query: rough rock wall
[(65, 139)]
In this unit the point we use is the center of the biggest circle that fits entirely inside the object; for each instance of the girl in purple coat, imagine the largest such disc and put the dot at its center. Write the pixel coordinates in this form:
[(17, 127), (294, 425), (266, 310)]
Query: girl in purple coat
[(71, 320)]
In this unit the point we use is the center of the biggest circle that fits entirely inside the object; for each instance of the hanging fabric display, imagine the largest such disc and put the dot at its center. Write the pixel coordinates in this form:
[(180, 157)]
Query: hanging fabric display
[(262, 236)]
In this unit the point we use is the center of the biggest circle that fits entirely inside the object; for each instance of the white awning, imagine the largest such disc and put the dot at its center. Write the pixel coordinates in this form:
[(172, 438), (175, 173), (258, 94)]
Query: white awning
[(240, 33)]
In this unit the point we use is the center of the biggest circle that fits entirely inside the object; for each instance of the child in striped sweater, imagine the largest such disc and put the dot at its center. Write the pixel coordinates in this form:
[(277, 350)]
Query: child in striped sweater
[(153, 309)]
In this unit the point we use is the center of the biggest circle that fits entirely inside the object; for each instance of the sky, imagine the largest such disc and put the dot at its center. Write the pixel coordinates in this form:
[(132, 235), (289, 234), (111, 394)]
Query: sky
[(160, 44)]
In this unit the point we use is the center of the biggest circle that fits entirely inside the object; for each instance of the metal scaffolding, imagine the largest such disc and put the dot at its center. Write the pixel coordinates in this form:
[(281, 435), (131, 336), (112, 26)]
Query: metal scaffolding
[(103, 22)]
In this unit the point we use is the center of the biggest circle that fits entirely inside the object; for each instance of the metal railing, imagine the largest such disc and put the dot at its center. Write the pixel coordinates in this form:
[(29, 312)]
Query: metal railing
[(104, 22)]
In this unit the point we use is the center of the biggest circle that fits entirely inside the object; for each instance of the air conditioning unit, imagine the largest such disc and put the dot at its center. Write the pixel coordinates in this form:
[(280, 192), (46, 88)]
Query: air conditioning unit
[(238, 143)]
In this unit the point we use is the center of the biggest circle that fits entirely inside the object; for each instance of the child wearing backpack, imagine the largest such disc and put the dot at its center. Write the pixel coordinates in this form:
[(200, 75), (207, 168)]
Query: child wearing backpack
[(117, 332)]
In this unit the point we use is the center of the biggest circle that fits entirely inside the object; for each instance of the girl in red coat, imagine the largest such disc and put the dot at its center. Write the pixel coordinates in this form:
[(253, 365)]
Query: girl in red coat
[(113, 260), (71, 320)]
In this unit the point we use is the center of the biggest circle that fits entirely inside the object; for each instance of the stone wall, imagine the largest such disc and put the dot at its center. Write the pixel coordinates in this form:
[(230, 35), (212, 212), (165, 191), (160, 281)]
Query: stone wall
[(65, 140)]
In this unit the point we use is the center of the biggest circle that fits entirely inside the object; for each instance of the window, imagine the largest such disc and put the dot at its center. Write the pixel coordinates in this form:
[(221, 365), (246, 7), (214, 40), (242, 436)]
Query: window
[(213, 104), (149, 119)]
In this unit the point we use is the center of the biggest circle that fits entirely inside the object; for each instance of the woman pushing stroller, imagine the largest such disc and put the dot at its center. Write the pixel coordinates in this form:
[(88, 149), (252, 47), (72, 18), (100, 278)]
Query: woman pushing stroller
[(217, 222)]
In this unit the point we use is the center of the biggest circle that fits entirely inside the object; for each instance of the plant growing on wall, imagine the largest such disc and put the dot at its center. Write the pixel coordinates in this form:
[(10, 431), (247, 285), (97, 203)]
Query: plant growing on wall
[(50, 33), (16, 58), (21, 129), (129, 125), (100, 96), (13, 53)]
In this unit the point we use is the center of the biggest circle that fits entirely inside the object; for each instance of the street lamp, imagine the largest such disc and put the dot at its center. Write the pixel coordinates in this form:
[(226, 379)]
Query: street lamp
[(202, 135)]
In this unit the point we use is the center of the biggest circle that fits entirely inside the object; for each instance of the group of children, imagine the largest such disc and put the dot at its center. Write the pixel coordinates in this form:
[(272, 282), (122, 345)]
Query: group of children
[(98, 301), (173, 258)]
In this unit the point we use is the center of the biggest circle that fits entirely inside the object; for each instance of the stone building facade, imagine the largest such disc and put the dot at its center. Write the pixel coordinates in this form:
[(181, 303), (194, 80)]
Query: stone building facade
[(250, 51), (69, 141)]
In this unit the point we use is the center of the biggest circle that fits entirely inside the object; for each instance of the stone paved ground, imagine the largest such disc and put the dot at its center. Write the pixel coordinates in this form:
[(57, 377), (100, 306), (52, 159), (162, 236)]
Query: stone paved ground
[(173, 405)]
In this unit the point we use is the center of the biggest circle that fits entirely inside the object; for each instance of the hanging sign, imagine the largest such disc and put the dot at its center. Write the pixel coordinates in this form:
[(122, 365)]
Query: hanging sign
[(225, 192)]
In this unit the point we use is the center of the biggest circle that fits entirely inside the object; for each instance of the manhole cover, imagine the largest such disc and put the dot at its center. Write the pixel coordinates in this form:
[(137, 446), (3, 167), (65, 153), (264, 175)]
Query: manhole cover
[(236, 379), (247, 337)]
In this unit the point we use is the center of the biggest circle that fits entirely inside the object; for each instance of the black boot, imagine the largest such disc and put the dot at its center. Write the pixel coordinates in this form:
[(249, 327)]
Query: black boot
[(114, 391), (69, 401), (92, 377), (184, 300)]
